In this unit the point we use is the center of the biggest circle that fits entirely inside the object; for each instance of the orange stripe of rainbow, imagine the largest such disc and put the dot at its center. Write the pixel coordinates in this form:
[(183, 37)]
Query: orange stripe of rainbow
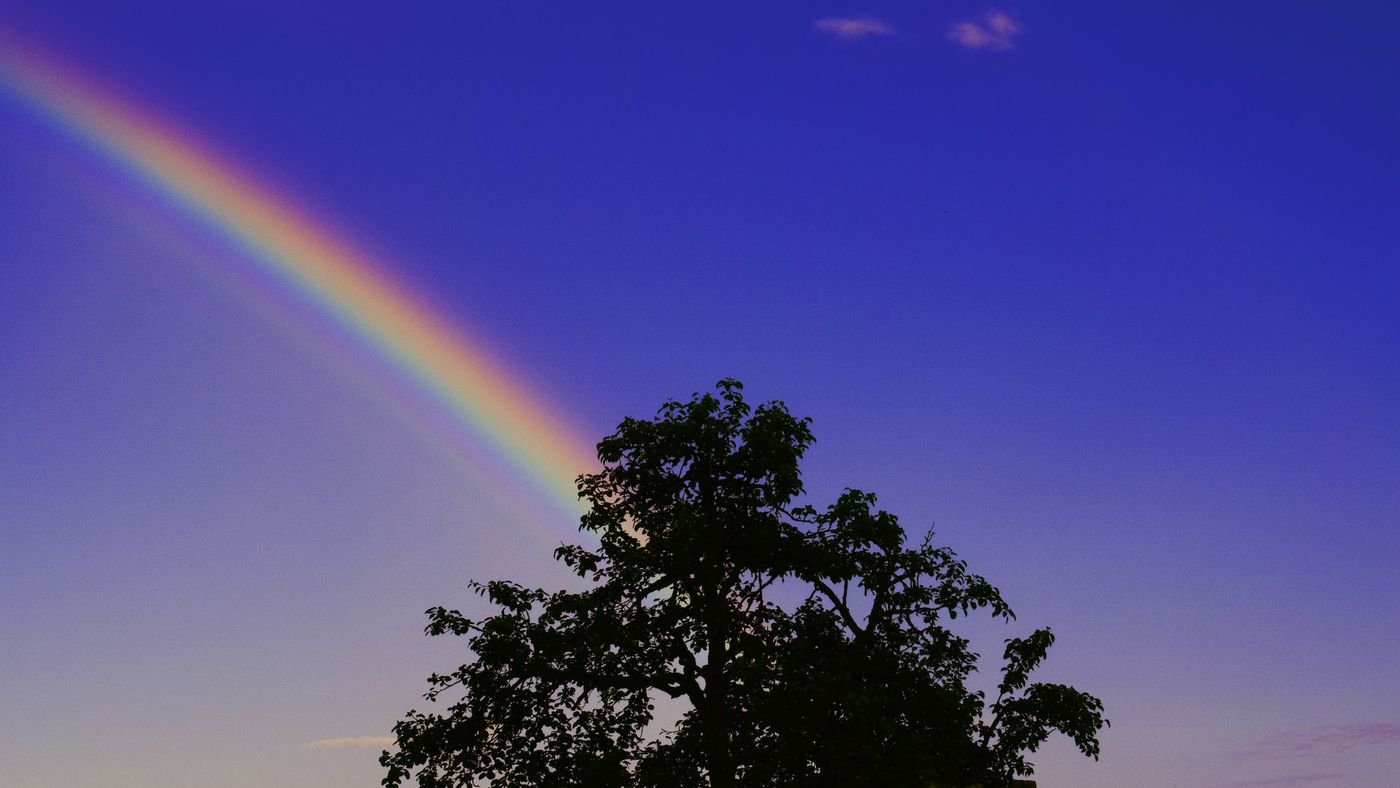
[(359, 295)]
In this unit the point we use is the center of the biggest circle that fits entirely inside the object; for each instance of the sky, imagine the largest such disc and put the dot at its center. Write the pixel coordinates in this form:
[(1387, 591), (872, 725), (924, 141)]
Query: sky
[(1104, 292)]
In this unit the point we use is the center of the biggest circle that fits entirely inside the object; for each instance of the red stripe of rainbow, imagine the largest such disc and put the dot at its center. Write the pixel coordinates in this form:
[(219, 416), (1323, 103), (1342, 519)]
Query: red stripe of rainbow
[(360, 296)]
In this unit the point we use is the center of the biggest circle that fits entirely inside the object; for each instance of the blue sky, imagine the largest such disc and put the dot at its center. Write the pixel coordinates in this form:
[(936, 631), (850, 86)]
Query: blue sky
[(1106, 290)]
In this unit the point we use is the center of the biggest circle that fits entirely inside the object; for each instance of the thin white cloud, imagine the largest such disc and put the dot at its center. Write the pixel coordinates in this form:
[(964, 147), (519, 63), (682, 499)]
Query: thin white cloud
[(350, 742), (854, 28), (994, 31), (1287, 782), (1327, 739)]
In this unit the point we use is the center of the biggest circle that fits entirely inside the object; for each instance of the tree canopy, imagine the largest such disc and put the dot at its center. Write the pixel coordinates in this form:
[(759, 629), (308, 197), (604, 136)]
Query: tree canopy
[(800, 646)]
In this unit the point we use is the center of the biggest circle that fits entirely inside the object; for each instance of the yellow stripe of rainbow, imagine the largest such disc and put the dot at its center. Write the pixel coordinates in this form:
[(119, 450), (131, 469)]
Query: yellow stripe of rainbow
[(358, 294)]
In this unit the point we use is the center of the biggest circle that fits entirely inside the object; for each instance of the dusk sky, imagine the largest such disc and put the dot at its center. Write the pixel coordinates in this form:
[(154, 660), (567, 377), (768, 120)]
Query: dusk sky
[(1107, 293)]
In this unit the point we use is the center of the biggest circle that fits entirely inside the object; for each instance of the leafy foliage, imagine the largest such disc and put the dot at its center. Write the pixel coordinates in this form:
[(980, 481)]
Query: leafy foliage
[(807, 647)]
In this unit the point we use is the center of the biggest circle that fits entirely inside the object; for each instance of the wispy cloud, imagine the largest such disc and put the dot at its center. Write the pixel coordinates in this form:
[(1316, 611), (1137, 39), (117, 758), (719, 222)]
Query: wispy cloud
[(350, 742), (854, 28), (1286, 782), (1327, 739), (994, 31)]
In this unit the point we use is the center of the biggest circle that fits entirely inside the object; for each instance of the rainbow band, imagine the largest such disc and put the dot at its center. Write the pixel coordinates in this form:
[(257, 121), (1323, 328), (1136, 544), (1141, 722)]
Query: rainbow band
[(341, 283)]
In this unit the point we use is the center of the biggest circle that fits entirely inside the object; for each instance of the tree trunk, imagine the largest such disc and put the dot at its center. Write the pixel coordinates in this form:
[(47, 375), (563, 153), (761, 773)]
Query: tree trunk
[(715, 568), (717, 721)]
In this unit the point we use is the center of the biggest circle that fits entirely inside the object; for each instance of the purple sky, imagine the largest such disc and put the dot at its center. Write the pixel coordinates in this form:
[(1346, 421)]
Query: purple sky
[(1108, 291)]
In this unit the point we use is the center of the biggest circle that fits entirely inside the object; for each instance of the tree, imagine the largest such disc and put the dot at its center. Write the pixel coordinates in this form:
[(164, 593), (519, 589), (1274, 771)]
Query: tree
[(802, 647)]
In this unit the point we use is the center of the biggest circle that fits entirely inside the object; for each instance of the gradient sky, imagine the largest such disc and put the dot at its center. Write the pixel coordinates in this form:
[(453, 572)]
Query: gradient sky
[(1107, 291)]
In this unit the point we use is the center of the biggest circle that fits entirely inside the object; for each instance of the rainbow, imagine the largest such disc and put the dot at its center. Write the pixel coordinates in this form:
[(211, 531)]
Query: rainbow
[(339, 284)]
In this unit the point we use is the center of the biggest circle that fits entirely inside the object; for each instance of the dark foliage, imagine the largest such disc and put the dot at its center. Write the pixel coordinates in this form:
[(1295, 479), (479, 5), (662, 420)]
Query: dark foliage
[(807, 647)]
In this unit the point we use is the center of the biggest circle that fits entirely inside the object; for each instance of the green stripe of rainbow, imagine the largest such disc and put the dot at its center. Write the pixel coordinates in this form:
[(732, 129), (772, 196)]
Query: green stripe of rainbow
[(323, 270)]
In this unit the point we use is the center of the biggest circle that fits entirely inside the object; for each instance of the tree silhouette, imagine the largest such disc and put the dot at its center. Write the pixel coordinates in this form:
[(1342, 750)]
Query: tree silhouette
[(802, 647)]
